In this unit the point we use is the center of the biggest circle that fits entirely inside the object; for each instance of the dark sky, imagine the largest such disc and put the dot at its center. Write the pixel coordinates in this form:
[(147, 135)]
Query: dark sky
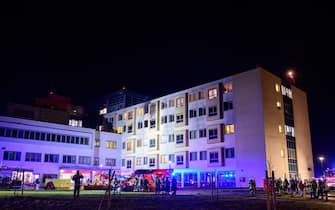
[(86, 50)]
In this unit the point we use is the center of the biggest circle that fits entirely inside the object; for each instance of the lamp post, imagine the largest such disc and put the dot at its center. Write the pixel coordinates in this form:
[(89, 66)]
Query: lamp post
[(321, 158)]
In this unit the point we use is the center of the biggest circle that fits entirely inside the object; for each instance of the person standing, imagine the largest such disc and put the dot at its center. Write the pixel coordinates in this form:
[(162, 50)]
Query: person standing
[(37, 184), (76, 178), (174, 186)]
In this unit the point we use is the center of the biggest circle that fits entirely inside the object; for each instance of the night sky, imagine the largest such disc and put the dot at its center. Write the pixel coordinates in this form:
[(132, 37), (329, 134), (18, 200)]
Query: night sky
[(87, 50)]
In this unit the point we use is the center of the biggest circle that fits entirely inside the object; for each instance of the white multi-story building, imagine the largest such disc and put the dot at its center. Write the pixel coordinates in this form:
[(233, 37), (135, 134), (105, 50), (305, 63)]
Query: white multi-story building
[(49, 150), (234, 128)]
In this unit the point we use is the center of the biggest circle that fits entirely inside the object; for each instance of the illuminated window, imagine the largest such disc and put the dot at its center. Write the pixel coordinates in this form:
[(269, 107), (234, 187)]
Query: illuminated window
[(280, 129), (229, 129), (201, 95), (192, 97), (180, 159), (171, 103), (130, 115), (179, 118), (111, 144), (140, 111), (125, 115), (282, 153), (139, 143), (75, 123), (213, 157), (277, 87), (138, 161), (227, 88), (278, 104), (180, 102), (212, 93), (152, 162), (103, 111), (213, 133), (286, 91), (97, 143), (289, 130), (164, 158), (129, 146), (119, 129)]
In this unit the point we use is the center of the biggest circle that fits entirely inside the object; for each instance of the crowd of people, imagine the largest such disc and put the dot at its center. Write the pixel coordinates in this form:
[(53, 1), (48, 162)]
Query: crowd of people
[(316, 188), (161, 185)]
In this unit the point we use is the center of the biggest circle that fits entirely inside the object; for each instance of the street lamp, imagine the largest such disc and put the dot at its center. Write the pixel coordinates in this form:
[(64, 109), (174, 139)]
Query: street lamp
[(321, 158), (291, 75)]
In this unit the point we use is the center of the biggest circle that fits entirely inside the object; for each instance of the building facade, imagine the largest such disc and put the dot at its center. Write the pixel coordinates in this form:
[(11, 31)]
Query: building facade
[(49, 150), (232, 129)]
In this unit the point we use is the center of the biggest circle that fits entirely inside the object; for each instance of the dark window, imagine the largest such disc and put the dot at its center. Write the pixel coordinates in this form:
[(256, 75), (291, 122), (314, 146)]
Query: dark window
[(145, 123), (227, 105), (230, 153)]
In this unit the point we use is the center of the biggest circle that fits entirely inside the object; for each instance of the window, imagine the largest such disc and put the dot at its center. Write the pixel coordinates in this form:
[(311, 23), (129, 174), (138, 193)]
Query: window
[(278, 104), (171, 118), (202, 133), (140, 111), (180, 160), (12, 155), (125, 115), (75, 123), (96, 161), (180, 139), (33, 157), (152, 123), (230, 153), (128, 163), (123, 162), (227, 88), (140, 125), (280, 129), (213, 157), (145, 123), (193, 156), (286, 91), (179, 118), (138, 161), (203, 155), (146, 108), (193, 134), (129, 146), (163, 105), (163, 119), (124, 128), (69, 159), (111, 144), (85, 160), (227, 105), (171, 103), (152, 109), (130, 128), (130, 115), (152, 143), (119, 117), (289, 130), (171, 158), (171, 138), (2, 131), (145, 160), (277, 87), (26, 134), (201, 95), (192, 97), (139, 143), (212, 111), (180, 102), (164, 158), (229, 129), (212, 93), (110, 162), (213, 133), (193, 113), (119, 129), (202, 111), (51, 158), (124, 145), (152, 162)]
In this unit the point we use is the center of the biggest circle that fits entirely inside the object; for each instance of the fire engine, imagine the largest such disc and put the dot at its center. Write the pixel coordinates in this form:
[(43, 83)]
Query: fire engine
[(330, 176)]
